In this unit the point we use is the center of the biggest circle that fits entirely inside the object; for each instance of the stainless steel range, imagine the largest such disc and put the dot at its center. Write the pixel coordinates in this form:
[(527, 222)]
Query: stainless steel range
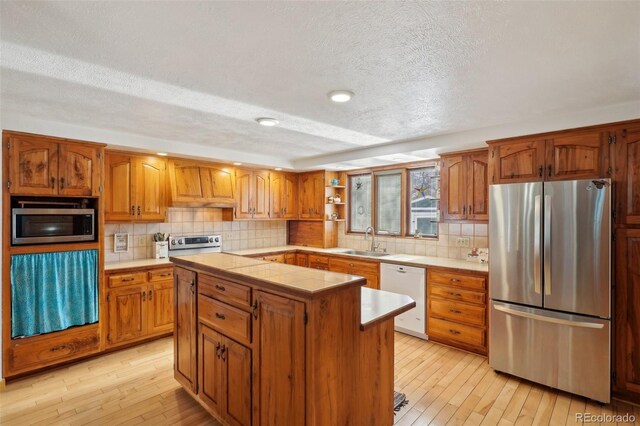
[(182, 245)]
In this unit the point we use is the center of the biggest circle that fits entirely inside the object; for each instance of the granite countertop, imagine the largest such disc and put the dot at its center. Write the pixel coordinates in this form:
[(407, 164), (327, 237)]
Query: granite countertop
[(378, 305), (297, 279), (403, 259)]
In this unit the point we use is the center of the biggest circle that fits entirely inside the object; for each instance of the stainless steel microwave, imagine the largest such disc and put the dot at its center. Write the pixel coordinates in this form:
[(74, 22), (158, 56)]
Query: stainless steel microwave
[(52, 225)]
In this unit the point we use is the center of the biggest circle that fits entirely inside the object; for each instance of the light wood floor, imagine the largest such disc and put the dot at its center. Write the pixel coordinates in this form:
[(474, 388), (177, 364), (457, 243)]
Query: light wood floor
[(136, 386)]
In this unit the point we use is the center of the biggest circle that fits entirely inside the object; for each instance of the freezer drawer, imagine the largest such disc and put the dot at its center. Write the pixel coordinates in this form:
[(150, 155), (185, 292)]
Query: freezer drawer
[(412, 282), (567, 352)]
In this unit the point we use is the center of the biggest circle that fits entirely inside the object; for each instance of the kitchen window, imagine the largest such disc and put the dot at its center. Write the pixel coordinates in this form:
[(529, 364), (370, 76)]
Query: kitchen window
[(404, 202)]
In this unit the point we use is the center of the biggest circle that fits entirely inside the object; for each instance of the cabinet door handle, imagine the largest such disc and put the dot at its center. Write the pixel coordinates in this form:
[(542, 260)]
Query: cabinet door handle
[(144, 296), (139, 211), (464, 209), (255, 309), (223, 349), (456, 332), (218, 349), (127, 279), (454, 311), (220, 287), (455, 294), (549, 170), (62, 183), (168, 274), (150, 295), (470, 209), (193, 287), (133, 210), (221, 316), (540, 170), (454, 280), (53, 182)]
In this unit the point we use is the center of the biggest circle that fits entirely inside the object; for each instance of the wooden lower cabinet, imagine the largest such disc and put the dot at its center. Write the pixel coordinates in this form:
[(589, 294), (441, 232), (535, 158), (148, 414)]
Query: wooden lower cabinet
[(302, 259), (224, 375), (184, 340), (139, 305), (368, 270), (457, 311)]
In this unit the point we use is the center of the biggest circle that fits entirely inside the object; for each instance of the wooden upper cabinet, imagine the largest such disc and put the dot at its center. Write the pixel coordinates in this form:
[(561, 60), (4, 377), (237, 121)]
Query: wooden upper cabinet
[(196, 184), (311, 195), (283, 194), (517, 161), (135, 188), (276, 189), (252, 194), (478, 186), (577, 156), (453, 187), (628, 154), (280, 320), (464, 186), (49, 166), (79, 170)]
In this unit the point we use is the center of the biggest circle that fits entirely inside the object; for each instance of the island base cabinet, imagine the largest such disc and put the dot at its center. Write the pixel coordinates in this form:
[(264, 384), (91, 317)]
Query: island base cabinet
[(224, 376), (279, 351), (184, 350)]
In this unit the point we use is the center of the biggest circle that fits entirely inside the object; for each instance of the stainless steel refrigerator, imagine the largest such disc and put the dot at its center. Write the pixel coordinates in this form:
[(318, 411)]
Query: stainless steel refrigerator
[(550, 284)]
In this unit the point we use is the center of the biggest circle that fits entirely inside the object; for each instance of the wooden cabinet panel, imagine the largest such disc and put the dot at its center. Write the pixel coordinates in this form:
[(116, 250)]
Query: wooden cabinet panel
[(185, 183), (290, 196), (471, 336), (127, 313), (453, 293), (260, 194), (302, 259), (276, 198), (237, 378), (231, 321), (279, 320), (185, 323), (160, 300), (126, 279), (210, 369), (628, 153), (513, 161), (33, 166), (453, 187), (368, 270), (244, 207), (150, 192), (79, 170), (217, 184), (478, 186), (311, 195), (455, 279), (274, 258), (575, 156), (627, 309), (290, 258), (318, 262), (160, 274), (458, 312), (119, 189)]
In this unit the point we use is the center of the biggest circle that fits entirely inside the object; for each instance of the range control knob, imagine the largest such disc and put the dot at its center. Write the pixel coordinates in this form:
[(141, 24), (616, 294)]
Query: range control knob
[(210, 239), (180, 241), (173, 242), (217, 240)]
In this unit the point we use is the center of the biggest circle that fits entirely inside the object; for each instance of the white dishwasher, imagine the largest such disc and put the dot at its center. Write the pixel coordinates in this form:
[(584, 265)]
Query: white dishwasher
[(412, 282)]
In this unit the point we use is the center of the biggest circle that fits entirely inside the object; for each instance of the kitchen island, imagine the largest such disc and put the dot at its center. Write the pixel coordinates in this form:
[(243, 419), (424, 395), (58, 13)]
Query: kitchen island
[(262, 343)]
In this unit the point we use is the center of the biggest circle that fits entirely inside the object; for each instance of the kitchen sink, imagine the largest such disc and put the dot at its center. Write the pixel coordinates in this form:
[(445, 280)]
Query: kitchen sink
[(364, 253)]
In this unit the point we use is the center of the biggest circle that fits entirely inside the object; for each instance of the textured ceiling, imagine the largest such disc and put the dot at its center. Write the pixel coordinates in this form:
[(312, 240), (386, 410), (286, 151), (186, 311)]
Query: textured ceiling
[(201, 72)]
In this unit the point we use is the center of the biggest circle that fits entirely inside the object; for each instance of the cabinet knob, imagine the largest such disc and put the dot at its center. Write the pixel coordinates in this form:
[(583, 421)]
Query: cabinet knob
[(144, 296), (454, 311), (220, 287), (218, 345), (221, 316), (133, 210), (223, 349), (62, 183), (139, 211), (150, 294), (456, 332), (255, 309)]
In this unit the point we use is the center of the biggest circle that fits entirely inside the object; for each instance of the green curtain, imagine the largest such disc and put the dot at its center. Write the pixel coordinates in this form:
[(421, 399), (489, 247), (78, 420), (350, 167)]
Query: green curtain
[(53, 291)]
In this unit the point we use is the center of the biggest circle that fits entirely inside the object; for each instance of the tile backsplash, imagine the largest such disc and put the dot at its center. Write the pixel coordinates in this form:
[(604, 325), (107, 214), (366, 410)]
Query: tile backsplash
[(187, 221), (444, 246)]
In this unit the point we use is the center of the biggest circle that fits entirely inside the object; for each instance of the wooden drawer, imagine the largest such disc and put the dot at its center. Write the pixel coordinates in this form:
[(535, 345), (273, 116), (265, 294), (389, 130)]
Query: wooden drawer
[(459, 312), (225, 318), (458, 294), (227, 291), (318, 262), (458, 280), (274, 258), (355, 267), (455, 332), (119, 280), (160, 274)]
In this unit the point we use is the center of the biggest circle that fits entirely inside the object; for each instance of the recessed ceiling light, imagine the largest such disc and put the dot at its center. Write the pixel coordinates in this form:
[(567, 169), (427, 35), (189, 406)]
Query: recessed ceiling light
[(162, 154), (237, 164), (340, 95), (277, 169), (266, 121)]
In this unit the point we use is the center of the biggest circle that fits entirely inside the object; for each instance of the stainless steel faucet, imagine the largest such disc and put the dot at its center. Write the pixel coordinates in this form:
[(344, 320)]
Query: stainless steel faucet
[(374, 246)]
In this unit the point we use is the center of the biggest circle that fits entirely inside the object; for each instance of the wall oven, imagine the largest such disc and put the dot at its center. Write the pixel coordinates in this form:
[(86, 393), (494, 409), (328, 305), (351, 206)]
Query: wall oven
[(34, 223)]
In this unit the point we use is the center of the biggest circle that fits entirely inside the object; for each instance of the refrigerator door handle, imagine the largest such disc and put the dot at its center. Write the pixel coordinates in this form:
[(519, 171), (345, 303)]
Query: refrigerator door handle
[(537, 267), (546, 255), (514, 312)]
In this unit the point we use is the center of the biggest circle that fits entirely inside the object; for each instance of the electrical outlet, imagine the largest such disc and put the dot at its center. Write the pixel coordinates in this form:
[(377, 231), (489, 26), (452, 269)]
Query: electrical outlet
[(141, 241), (463, 242), (228, 235)]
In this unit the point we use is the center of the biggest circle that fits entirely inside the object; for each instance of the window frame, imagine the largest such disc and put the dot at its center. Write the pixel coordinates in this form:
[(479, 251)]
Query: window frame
[(405, 197), (408, 232)]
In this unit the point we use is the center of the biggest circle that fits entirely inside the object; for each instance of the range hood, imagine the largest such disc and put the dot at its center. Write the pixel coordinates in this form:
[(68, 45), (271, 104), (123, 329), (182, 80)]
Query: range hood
[(199, 184)]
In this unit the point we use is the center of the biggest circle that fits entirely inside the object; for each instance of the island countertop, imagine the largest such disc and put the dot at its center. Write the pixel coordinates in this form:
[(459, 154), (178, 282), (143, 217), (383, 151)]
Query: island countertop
[(375, 306)]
